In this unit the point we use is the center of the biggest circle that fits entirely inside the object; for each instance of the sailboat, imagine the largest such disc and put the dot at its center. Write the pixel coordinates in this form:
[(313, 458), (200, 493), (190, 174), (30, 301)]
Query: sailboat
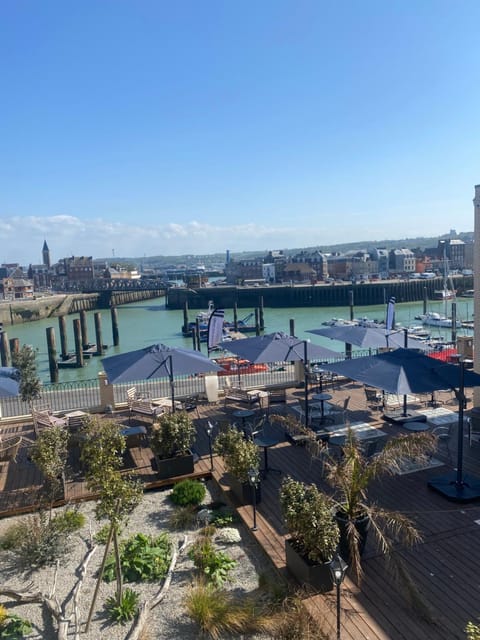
[(433, 318)]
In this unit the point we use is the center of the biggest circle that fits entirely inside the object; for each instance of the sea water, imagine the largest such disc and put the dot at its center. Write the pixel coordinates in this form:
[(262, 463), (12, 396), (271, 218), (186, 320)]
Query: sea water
[(149, 322)]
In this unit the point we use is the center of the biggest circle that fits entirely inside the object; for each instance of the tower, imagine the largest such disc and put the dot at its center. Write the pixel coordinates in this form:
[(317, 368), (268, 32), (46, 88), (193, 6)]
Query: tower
[(46, 254)]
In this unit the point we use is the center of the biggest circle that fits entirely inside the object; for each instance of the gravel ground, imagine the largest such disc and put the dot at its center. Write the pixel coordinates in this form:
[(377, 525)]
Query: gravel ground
[(168, 620)]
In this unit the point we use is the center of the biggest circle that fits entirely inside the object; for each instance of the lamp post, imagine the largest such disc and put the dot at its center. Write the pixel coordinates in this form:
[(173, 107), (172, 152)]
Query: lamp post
[(209, 431), (253, 479), (338, 569)]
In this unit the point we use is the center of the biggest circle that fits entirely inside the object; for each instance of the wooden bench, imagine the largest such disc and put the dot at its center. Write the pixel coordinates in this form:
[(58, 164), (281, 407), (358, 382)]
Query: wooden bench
[(146, 408), (44, 419)]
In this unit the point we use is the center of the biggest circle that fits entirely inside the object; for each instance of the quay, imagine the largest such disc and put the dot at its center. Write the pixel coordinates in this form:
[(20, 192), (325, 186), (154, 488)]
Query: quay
[(444, 566)]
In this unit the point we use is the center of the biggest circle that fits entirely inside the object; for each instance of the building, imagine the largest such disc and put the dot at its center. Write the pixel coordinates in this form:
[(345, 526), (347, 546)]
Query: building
[(402, 261)]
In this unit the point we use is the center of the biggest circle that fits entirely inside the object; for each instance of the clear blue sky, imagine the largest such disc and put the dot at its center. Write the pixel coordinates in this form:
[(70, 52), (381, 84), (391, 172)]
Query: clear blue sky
[(150, 127)]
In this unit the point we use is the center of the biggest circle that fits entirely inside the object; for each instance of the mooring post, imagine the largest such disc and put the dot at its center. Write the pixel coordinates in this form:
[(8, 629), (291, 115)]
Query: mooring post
[(62, 325), (116, 338), (14, 345), (262, 323), (197, 331), (77, 332), (257, 322), (52, 354), (98, 332), (425, 300), (185, 317), (194, 338), (292, 326), (5, 350), (348, 346), (83, 325), (454, 322), (235, 316)]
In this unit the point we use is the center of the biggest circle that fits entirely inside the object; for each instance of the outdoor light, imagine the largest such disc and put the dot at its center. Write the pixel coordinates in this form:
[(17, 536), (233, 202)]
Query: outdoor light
[(209, 431), (338, 568), (253, 479)]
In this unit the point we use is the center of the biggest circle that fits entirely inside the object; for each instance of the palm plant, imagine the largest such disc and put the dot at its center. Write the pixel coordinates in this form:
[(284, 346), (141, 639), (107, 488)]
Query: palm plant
[(351, 476)]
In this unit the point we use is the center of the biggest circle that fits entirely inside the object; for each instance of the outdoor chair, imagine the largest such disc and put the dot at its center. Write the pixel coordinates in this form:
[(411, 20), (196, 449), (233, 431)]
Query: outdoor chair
[(319, 453), (374, 398), (9, 448), (473, 429), (44, 419), (443, 435), (340, 410)]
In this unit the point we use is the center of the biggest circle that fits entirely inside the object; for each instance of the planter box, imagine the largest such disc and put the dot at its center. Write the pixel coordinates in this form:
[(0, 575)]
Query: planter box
[(243, 491), (177, 466), (315, 576), (362, 526)]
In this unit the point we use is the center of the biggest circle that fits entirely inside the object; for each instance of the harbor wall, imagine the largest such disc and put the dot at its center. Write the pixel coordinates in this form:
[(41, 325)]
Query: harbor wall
[(318, 295), (20, 311)]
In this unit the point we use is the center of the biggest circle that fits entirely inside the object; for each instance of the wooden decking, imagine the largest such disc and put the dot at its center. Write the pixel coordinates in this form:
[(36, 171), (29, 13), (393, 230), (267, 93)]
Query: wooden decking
[(444, 567)]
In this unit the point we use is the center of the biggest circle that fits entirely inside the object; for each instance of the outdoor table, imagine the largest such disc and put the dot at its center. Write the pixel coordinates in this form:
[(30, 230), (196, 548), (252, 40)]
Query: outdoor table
[(416, 426), (133, 435), (75, 418), (321, 397), (243, 415)]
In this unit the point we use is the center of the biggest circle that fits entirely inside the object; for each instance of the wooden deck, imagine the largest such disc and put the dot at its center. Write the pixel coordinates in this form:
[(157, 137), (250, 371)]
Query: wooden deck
[(445, 566)]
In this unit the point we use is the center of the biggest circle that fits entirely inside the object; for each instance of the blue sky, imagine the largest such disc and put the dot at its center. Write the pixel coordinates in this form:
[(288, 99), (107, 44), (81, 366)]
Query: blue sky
[(140, 127)]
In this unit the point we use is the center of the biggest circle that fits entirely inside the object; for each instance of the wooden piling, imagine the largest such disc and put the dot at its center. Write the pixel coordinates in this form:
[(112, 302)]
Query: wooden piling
[(425, 300), (257, 322), (116, 338), (77, 332), (194, 338), (84, 327), (348, 346), (235, 316), (185, 317), (14, 345), (197, 331), (292, 326), (98, 332), (52, 354), (454, 322), (5, 355), (62, 325), (262, 322)]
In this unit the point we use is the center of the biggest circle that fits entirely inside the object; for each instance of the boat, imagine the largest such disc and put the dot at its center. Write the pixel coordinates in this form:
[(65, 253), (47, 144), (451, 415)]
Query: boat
[(434, 319), (469, 293), (244, 325), (444, 294), (236, 366)]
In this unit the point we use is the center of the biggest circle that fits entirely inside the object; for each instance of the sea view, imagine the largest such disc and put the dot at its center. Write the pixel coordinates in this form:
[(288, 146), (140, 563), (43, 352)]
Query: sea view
[(148, 322)]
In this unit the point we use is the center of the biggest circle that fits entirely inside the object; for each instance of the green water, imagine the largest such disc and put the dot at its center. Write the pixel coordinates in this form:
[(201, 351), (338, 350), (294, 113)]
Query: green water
[(148, 322)]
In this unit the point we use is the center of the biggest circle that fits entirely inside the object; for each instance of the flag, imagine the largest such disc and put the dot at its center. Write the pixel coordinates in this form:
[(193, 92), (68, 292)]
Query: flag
[(215, 328), (391, 314)]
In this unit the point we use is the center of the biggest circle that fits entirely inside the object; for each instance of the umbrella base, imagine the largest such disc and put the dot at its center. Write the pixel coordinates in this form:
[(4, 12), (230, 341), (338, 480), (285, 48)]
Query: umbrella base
[(466, 491), (398, 416)]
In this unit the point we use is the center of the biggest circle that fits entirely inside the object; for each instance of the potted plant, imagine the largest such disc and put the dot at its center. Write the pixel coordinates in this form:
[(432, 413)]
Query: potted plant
[(313, 533), (351, 475), (239, 455), (173, 435)]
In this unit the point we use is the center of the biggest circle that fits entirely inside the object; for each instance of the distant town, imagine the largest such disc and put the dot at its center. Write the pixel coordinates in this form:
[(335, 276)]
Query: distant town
[(451, 254)]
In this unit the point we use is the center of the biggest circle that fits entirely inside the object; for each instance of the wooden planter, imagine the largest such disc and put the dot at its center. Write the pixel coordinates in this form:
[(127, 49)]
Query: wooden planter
[(243, 491), (305, 572), (362, 525), (181, 465)]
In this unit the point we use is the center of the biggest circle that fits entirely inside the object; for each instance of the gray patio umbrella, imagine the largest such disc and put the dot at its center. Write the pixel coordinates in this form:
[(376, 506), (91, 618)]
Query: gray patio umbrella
[(279, 347), (369, 337), (8, 382), (405, 371), (157, 361)]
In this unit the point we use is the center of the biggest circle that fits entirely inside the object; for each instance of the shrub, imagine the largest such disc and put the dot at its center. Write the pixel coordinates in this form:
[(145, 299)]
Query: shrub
[(215, 565), (182, 518), (188, 492), (473, 631), (240, 455), (126, 610), (143, 558), (101, 537), (223, 517), (13, 627), (173, 434), (69, 521)]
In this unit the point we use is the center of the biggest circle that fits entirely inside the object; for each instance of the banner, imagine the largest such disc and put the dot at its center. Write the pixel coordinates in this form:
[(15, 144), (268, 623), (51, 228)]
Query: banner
[(215, 328), (391, 314)]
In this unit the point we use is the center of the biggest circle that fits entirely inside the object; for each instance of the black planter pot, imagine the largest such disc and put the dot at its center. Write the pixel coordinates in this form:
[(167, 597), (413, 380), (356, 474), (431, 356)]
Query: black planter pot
[(305, 572), (244, 491), (177, 466), (362, 525)]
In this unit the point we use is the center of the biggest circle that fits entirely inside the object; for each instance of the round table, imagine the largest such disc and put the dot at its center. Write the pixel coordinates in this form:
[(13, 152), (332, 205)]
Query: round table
[(321, 397), (416, 426), (243, 414)]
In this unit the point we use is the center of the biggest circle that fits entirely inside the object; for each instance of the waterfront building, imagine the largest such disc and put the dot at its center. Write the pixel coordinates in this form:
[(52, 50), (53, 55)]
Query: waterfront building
[(402, 261)]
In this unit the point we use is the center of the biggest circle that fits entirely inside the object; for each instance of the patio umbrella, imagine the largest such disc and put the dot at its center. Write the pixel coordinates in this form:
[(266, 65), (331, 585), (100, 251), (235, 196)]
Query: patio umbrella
[(280, 347), (8, 382), (369, 337), (405, 371), (157, 361)]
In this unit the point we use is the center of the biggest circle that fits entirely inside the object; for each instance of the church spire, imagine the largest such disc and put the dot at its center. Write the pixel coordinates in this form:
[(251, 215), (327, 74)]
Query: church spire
[(46, 254)]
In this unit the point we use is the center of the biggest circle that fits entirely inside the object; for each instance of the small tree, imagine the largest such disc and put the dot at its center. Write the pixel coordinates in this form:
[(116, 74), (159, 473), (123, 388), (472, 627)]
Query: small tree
[(50, 453), (118, 496), (30, 385)]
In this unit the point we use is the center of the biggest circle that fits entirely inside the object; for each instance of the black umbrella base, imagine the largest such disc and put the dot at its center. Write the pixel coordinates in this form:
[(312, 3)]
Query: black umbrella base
[(399, 417), (466, 491)]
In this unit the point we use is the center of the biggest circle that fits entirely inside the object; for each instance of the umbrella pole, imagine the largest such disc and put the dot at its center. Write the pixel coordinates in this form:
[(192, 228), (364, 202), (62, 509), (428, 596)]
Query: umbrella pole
[(461, 404), (172, 384)]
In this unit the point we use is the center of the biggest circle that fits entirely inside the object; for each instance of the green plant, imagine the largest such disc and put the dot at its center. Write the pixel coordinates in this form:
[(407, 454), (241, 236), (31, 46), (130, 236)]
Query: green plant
[(223, 517), (188, 492), (182, 518), (215, 565), (351, 476), (308, 516), (239, 454), (102, 535), (49, 453), (473, 631), (124, 610), (173, 434), (15, 628), (69, 521), (143, 558), (30, 385)]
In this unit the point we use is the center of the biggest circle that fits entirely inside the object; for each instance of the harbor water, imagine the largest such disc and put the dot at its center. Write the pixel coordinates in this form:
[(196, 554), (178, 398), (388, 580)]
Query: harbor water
[(144, 323)]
